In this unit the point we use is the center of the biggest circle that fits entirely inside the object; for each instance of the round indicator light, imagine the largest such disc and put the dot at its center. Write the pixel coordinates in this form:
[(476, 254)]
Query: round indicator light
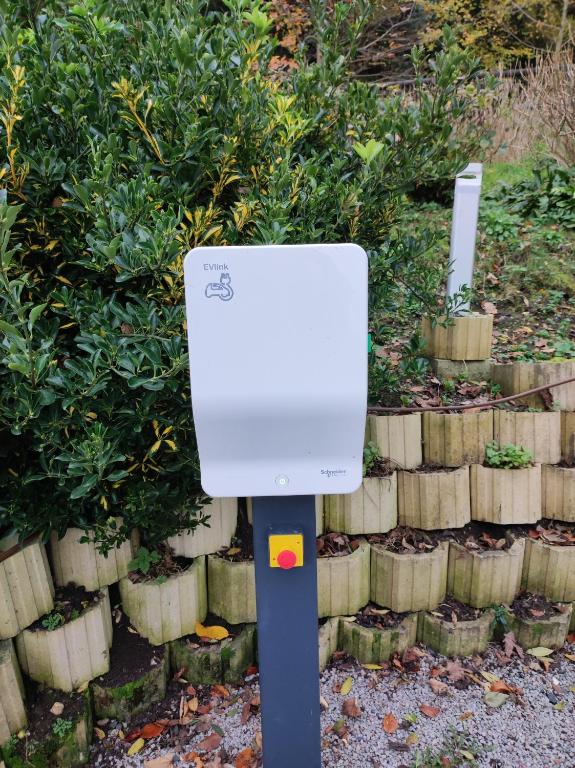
[(286, 559)]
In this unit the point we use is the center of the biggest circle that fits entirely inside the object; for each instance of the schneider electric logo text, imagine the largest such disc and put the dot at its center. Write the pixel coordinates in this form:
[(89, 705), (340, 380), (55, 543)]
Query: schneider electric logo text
[(334, 472)]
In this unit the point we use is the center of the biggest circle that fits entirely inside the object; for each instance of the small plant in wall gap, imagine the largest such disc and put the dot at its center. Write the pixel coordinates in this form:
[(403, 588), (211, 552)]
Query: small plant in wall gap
[(144, 561), (371, 456), (52, 621), (507, 456), (62, 727)]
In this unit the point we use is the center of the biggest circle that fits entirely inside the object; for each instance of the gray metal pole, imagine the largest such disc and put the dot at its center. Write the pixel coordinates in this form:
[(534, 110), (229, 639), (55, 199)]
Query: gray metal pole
[(288, 636)]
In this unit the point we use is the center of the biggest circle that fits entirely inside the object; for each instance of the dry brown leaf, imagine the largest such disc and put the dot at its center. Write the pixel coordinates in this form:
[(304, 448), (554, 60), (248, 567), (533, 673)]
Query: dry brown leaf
[(351, 708), (220, 690), (437, 686), (429, 711), (165, 761), (498, 686), (151, 730), (245, 758), (193, 757), (210, 743), (390, 724)]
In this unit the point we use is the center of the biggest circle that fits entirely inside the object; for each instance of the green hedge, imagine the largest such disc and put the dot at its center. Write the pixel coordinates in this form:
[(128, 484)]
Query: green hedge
[(132, 132)]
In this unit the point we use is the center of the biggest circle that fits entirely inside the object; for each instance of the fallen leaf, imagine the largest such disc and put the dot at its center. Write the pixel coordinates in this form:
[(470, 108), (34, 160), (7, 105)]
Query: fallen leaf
[(193, 757), (210, 743), (438, 687), (560, 706), (212, 633), (495, 699), (220, 690), (489, 308), (489, 676), (372, 666), (399, 746), (498, 686), (412, 739), (346, 686), (429, 711), (540, 651), (570, 656), (136, 747), (160, 762), (465, 715), (350, 708), (57, 708), (151, 730), (340, 729), (390, 724), (100, 734), (245, 758), (467, 755)]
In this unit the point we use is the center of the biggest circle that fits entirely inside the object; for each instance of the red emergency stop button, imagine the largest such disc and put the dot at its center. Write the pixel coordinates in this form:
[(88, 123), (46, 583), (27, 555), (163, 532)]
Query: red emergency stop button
[(286, 550), (287, 559)]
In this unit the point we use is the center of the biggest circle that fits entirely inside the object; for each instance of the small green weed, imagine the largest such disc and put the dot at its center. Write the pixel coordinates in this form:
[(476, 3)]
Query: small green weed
[(62, 727), (507, 456), (144, 561), (53, 621), (458, 750), (371, 455)]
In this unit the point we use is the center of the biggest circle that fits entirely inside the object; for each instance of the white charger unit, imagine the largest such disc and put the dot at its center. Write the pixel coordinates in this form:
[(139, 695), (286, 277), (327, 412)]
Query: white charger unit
[(278, 362)]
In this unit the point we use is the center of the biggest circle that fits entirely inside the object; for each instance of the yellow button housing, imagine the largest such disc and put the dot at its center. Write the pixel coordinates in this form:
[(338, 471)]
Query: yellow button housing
[(292, 542)]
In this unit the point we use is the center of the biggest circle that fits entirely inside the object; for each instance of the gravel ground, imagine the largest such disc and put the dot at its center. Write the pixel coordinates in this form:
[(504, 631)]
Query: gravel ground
[(534, 728)]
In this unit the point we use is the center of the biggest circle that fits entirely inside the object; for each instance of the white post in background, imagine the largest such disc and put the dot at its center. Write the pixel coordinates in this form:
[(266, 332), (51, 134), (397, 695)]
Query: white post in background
[(464, 229)]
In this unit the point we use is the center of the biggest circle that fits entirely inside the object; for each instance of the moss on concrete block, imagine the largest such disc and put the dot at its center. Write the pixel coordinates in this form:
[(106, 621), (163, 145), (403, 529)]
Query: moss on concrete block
[(232, 590), (371, 645), (223, 662), (122, 702), (549, 633), (464, 638)]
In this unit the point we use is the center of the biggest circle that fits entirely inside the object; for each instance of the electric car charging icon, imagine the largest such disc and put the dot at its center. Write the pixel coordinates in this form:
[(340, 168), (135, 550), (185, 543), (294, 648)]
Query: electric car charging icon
[(223, 290)]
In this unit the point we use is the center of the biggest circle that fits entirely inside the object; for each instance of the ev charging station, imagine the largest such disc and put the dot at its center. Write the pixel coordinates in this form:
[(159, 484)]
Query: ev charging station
[(278, 364)]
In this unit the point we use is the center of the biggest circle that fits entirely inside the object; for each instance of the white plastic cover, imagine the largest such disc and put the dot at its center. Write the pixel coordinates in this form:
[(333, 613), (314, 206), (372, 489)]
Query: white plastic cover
[(278, 361)]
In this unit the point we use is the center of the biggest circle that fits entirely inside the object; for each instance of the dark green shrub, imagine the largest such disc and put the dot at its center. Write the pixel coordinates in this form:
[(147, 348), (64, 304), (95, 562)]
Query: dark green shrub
[(133, 132), (548, 196)]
